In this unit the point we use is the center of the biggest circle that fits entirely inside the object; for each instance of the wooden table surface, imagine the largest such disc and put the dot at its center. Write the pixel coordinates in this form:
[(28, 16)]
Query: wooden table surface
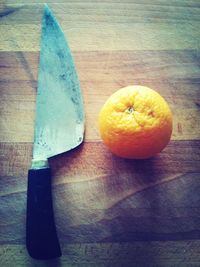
[(109, 211)]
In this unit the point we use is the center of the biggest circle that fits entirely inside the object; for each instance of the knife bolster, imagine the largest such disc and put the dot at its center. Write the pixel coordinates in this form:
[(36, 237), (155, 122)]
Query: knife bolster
[(39, 164), (41, 237)]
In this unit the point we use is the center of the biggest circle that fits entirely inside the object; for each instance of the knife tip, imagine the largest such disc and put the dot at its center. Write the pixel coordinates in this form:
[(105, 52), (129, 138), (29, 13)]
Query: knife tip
[(46, 7)]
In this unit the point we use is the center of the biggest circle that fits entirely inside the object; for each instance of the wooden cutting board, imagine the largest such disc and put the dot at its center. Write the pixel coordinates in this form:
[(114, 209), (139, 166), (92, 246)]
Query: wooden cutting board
[(109, 211)]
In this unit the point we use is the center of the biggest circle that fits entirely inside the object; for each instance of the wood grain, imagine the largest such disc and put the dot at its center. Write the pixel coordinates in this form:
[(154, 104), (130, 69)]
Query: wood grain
[(183, 253), (104, 26), (174, 74), (109, 200), (170, 254), (109, 211)]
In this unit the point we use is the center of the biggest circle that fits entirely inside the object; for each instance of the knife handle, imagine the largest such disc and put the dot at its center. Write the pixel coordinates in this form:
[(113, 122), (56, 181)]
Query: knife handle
[(41, 237)]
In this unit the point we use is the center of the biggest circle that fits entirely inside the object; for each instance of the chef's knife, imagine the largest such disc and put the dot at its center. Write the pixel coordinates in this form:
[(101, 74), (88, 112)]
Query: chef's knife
[(59, 127)]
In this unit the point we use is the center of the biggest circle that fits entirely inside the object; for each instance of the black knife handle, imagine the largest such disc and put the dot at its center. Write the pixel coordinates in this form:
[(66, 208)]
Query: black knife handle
[(41, 237)]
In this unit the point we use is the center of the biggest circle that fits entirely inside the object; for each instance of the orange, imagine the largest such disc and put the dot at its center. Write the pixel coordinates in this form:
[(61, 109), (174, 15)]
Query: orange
[(135, 122)]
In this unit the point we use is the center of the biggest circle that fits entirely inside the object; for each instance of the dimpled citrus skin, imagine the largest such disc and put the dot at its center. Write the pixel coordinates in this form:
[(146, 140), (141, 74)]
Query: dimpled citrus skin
[(135, 122)]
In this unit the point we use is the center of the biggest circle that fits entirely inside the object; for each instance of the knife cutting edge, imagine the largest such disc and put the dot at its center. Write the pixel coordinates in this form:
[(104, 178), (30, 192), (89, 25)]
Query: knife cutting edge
[(59, 127)]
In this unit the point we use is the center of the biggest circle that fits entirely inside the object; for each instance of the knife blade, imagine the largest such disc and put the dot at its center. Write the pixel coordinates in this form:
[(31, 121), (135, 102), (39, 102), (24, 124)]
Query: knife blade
[(59, 127)]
